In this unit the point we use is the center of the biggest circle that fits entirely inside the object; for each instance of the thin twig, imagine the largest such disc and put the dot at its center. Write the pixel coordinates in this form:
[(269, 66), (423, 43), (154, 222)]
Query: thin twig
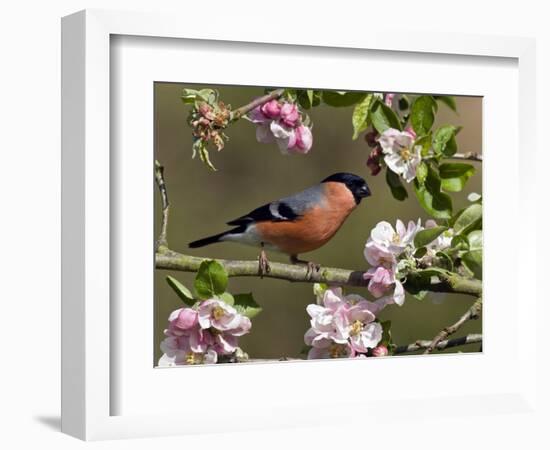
[(400, 350), (442, 345), (239, 112), (470, 156), (473, 313), (159, 177)]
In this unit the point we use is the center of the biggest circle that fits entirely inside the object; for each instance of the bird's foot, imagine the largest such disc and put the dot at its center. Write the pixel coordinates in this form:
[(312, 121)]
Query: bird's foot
[(311, 266), (263, 264)]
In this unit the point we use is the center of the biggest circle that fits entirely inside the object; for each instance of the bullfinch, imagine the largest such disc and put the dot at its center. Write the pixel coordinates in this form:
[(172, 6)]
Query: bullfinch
[(299, 223)]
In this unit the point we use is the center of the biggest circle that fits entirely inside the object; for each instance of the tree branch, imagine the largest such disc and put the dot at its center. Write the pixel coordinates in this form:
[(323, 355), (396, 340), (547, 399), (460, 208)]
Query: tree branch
[(442, 345), (471, 156), (239, 112), (473, 313), (162, 241), (170, 260)]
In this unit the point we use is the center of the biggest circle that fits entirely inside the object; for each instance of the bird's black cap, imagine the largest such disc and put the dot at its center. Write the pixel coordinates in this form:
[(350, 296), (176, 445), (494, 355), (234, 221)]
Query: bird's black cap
[(357, 185)]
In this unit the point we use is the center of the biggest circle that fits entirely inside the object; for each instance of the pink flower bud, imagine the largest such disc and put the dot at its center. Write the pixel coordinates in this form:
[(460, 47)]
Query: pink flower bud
[(370, 137), (411, 132), (304, 139), (381, 350), (289, 114), (388, 99), (373, 161), (271, 109)]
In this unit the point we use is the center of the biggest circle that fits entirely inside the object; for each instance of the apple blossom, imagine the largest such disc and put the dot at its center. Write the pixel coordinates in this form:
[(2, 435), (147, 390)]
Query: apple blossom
[(281, 123), (198, 336), (219, 315), (381, 279), (284, 136), (382, 250), (400, 153), (386, 243), (342, 326)]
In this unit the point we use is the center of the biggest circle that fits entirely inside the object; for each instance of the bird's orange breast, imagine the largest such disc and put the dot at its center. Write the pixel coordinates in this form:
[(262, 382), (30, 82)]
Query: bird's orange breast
[(315, 227)]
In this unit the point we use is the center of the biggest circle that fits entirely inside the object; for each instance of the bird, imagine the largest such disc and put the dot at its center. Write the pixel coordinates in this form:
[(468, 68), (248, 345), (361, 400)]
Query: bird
[(299, 223)]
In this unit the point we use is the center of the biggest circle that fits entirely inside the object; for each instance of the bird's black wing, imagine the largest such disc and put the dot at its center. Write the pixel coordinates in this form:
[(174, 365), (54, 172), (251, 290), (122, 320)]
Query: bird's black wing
[(278, 211), (286, 209)]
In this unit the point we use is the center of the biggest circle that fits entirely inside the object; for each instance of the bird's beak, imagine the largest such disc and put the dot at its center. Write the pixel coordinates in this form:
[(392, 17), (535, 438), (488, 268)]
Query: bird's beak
[(364, 191)]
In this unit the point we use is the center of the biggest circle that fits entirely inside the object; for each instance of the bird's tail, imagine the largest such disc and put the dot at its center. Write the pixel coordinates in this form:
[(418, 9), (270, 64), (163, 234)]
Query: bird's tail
[(208, 240), (217, 237)]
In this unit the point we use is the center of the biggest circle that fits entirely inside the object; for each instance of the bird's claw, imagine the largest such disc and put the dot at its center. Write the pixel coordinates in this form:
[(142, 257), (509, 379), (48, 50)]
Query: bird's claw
[(311, 266), (263, 264)]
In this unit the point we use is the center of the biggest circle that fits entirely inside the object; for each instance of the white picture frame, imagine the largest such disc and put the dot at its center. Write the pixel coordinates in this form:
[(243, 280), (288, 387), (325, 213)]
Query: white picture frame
[(89, 386)]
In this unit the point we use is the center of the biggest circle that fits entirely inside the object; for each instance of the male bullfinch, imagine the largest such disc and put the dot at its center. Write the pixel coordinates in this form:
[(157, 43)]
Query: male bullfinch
[(299, 223)]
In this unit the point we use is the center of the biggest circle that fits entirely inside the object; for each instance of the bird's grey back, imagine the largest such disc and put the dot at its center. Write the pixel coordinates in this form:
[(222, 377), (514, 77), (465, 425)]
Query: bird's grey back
[(304, 200)]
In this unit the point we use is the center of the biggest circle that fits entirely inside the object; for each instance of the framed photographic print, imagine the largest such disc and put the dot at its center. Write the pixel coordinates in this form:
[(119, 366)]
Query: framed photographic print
[(268, 235)]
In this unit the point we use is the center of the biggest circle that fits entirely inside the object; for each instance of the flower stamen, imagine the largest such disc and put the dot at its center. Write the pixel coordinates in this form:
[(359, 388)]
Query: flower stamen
[(356, 328)]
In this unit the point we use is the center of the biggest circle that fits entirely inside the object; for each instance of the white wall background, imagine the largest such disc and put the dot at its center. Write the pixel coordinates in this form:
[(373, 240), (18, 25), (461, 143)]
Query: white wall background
[(30, 187)]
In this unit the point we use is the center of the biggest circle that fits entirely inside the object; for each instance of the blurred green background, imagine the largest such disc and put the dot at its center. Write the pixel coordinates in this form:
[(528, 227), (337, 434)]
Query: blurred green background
[(251, 174)]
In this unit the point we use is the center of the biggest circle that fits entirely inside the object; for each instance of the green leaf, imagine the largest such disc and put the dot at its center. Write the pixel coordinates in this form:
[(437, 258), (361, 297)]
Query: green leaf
[(208, 95), (360, 115), (189, 95), (473, 261), (460, 242), (436, 203), (246, 305), (341, 99), (420, 295), (425, 142), (420, 252), (447, 100), (199, 146), (475, 240), (469, 219), (386, 334), (422, 172), (183, 293), (445, 261), (422, 114), (383, 117), (444, 140), (428, 235), (226, 297), (455, 175), (192, 95), (211, 279), (319, 291), (308, 98), (396, 186)]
